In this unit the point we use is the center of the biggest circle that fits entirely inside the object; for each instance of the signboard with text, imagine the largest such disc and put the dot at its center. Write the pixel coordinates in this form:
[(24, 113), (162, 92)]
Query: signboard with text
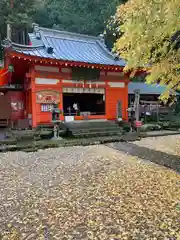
[(84, 90), (47, 96)]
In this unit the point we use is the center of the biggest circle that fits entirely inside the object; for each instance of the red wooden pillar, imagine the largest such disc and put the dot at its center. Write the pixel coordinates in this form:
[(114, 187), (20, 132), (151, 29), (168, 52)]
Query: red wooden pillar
[(125, 105), (60, 88), (106, 98), (33, 98), (61, 106)]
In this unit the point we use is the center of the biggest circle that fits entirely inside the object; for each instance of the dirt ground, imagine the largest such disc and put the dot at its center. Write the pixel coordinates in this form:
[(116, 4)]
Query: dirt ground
[(85, 193)]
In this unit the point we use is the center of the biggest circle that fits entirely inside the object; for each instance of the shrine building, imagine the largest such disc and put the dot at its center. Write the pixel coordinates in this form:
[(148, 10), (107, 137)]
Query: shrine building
[(64, 68)]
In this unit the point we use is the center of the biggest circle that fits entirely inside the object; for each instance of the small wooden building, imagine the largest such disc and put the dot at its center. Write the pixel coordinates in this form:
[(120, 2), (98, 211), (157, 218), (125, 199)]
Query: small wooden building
[(67, 69), (149, 99), (148, 92)]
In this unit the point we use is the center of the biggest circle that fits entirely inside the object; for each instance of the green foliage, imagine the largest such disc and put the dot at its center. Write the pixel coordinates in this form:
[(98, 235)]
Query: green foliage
[(145, 30), (18, 13), (41, 16), (88, 17)]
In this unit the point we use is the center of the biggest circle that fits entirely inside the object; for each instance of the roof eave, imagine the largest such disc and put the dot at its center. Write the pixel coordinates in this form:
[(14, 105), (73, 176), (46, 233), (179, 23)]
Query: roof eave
[(28, 47), (14, 53)]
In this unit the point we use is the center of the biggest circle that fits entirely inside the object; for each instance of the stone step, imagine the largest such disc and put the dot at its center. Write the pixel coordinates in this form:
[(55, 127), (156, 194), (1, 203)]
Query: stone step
[(87, 124), (96, 128)]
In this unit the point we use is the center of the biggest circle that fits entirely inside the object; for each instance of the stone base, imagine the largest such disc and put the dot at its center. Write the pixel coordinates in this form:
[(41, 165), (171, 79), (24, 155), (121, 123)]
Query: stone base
[(56, 138)]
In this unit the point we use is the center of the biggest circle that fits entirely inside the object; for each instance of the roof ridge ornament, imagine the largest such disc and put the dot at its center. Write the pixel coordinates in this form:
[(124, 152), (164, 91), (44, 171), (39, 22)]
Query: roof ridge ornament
[(115, 55), (35, 27), (102, 40), (50, 50), (36, 30), (7, 43)]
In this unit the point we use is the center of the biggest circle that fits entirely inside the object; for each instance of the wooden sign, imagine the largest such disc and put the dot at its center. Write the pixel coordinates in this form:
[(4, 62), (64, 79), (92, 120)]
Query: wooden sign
[(84, 90), (47, 96)]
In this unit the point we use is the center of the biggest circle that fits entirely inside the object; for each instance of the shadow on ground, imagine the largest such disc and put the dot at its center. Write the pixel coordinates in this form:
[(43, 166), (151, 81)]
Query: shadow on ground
[(164, 159)]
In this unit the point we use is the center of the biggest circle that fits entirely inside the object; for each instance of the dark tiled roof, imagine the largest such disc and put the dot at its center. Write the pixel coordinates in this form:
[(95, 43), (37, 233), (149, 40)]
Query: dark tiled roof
[(145, 88), (69, 47)]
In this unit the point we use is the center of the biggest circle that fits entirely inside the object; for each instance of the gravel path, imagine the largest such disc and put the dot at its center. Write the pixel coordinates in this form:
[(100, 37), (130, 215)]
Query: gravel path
[(168, 144), (86, 193), (155, 149)]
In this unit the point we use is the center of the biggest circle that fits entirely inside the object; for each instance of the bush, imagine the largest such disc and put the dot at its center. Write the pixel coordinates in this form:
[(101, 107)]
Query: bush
[(150, 127)]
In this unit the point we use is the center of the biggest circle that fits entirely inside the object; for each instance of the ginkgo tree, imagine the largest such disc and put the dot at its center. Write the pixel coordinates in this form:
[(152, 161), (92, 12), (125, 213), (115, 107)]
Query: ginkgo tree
[(149, 39)]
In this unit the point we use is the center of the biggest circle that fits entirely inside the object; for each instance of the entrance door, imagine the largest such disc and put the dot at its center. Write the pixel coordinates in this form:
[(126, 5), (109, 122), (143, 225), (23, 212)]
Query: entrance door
[(119, 109)]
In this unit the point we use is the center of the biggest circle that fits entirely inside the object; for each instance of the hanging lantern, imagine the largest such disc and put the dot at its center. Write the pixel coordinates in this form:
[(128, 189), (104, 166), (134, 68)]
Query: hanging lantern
[(90, 85)]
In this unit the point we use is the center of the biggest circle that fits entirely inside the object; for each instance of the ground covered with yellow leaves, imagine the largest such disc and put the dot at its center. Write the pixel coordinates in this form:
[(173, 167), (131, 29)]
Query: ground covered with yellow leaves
[(85, 193), (168, 144)]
